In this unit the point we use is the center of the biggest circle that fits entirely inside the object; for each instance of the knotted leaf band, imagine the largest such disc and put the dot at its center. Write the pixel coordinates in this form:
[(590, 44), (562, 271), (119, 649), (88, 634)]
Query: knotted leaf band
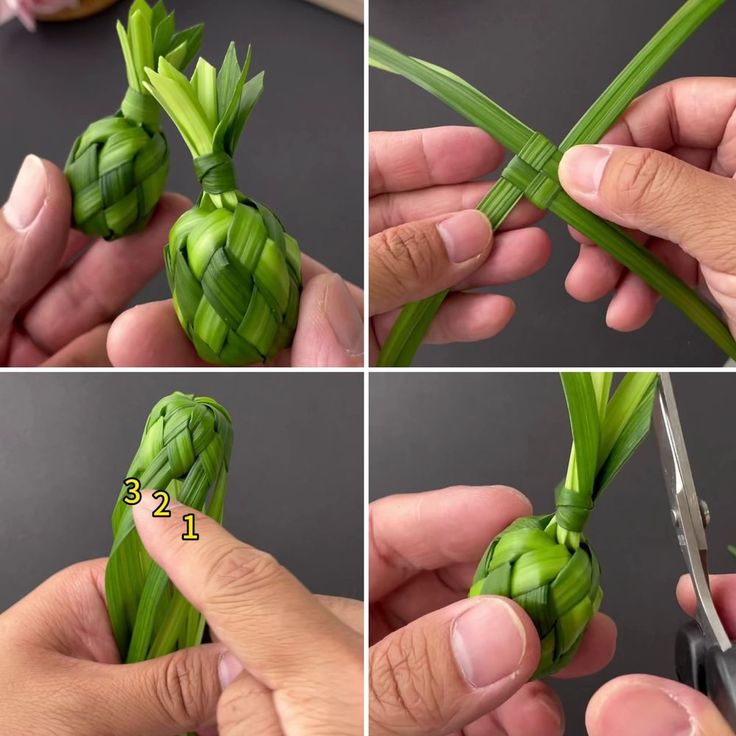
[(215, 172)]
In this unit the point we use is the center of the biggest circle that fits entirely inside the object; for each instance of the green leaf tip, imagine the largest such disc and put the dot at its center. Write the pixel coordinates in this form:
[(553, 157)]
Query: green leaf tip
[(150, 35), (211, 108), (606, 430)]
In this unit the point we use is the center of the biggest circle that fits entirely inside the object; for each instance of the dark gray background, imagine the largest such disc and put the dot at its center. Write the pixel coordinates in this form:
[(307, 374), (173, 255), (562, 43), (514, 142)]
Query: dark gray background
[(565, 54), (296, 474), (423, 436), (302, 152)]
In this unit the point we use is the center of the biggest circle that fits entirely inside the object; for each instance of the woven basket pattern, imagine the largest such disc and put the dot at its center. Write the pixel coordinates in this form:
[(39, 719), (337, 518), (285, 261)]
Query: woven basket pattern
[(234, 276), (185, 449), (117, 171), (559, 588)]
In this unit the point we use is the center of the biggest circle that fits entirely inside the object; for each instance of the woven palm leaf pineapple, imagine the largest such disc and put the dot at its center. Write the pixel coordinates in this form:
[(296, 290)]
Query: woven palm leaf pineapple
[(545, 563), (185, 450), (234, 272), (117, 168)]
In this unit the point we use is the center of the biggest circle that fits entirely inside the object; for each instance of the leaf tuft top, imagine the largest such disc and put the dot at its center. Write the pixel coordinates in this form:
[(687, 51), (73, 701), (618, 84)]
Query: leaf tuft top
[(210, 109), (151, 34)]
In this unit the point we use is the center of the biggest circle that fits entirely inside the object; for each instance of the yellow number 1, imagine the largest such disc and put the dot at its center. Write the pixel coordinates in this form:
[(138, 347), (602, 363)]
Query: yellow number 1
[(189, 534)]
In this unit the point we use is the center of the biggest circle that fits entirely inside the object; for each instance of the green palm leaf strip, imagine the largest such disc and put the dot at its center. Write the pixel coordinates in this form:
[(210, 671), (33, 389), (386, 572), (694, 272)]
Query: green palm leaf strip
[(117, 169), (545, 563), (533, 173), (233, 270), (185, 450)]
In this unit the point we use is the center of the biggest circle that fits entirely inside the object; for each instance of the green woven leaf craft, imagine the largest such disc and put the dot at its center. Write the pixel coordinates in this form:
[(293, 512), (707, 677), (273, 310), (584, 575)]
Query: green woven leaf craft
[(532, 173), (185, 451), (234, 272), (117, 168), (545, 563)]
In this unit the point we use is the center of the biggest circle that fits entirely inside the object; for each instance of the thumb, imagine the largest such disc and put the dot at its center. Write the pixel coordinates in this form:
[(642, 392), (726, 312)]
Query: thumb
[(34, 227), (657, 193), (450, 667), (330, 328), (173, 694), (419, 259), (642, 705)]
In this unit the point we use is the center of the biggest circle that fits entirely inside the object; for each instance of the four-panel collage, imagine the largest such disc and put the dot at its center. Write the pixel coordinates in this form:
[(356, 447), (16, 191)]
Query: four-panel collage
[(367, 368)]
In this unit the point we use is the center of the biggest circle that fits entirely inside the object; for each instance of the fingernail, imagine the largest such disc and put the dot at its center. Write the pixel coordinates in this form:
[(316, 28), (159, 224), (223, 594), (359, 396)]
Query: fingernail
[(28, 194), (344, 317), (229, 669), (465, 235), (582, 168), (489, 642), (654, 711)]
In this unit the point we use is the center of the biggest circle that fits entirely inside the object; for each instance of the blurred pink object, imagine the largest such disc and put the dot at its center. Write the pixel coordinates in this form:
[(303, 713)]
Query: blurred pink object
[(28, 10)]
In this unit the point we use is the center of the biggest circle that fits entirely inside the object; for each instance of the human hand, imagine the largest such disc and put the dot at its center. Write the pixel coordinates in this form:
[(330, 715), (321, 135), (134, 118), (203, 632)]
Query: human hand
[(666, 171), (59, 652), (329, 332), (61, 292), (60, 673), (441, 663), (294, 662), (642, 705), (59, 289), (425, 236)]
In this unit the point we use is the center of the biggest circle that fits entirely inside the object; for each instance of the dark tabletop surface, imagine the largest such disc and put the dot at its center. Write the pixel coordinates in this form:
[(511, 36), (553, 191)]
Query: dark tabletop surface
[(562, 56), (295, 482), (302, 152), (424, 436)]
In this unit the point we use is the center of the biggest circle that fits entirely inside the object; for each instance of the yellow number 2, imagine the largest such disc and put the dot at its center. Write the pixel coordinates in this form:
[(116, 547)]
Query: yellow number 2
[(163, 507)]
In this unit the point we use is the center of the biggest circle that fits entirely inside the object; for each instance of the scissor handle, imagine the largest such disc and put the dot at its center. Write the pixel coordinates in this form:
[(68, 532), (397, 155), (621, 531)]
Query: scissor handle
[(690, 650), (720, 672), (707, 668)]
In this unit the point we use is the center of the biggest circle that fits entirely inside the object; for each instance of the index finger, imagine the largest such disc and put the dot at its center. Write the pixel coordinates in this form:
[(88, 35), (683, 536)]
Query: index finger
[(723, 588), (275, 627), (413, 532), (692, 112), (416, 159)]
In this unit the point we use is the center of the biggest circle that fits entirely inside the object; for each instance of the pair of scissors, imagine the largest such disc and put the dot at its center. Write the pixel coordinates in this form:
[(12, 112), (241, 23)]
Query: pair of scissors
[(705, 657)]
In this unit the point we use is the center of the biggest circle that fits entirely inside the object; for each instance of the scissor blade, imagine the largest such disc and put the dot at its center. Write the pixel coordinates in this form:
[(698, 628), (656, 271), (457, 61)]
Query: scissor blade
[(678, 477), (685, 509)]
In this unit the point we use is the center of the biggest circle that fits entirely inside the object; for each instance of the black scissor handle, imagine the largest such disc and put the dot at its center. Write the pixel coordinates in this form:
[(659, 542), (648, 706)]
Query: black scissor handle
[(720, 672), (707, 669), (690, 651)]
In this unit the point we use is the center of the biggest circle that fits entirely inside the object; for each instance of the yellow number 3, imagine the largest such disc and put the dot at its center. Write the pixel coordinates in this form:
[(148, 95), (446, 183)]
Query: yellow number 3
[(133, 492)]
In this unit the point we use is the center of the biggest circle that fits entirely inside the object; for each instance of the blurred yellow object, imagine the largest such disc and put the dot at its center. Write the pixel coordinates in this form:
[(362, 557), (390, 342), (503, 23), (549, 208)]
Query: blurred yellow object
[(83, 10)]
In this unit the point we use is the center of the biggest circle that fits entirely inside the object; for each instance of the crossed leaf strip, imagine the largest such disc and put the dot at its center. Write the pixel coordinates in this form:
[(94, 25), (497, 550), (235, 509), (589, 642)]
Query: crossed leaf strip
[(532, 173)]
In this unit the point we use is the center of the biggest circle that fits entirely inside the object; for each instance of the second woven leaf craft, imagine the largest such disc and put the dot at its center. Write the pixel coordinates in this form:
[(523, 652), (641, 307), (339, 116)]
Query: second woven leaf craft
[(117, 168), (532, 173), (185, 450)]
